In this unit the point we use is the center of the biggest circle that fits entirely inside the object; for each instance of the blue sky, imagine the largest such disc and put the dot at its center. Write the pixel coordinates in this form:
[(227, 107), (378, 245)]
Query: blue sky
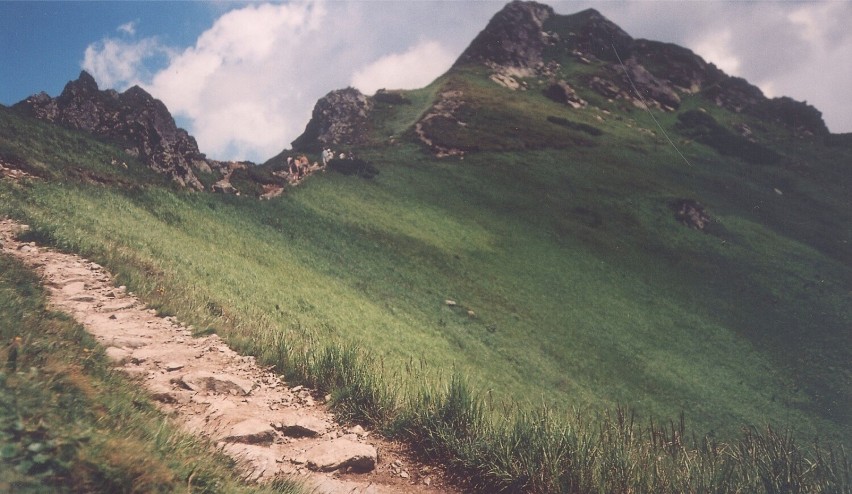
[(243, 77)]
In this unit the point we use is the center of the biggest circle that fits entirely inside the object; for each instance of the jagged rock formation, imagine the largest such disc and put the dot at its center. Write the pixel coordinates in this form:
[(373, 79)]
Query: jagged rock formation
[(527, 39), (339, 120), (134, 119), (527, 45), (513, 39)]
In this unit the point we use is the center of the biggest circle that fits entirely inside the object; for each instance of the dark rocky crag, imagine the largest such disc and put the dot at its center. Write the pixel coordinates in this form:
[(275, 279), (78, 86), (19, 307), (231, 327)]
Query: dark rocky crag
[(527, 39), (134, 119), (339, 120), (514, 38)]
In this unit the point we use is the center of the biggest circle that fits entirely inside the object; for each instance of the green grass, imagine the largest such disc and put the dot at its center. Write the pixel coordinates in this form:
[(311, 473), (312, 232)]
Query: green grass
[(70, 424), (586, 293)]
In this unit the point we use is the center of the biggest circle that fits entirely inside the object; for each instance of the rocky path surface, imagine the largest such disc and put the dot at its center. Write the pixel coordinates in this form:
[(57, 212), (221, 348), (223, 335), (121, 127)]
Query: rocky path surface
[(250, 413)]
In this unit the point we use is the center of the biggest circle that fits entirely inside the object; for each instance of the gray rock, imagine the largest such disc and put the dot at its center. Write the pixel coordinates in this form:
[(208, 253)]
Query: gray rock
[(140, 123), (117, 306), (562, 92), (163, 394), (117, 355), (173, 366), (217, 383), (339, 120), (224, 187), (341, 453), (131, 342), (294, 424), (251, 431), (74, 287)]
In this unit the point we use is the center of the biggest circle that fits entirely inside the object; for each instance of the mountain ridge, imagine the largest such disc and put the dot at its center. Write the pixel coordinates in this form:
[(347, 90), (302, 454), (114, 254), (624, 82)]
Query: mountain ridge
[(528, 40), (524, 40), (139, 122), (531, 229)]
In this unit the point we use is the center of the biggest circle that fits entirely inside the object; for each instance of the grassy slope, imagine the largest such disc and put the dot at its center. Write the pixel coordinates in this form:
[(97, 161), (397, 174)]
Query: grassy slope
[(585, 289), (69, 424)]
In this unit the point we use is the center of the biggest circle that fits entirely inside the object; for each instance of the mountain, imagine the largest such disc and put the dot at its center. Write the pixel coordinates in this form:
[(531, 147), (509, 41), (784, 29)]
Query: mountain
[(527, 42), (550, 264), (141, 124), (605, 145)]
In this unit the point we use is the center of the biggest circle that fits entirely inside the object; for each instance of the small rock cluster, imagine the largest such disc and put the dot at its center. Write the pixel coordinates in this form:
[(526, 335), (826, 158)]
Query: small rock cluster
[(691, 213), (446, 108)]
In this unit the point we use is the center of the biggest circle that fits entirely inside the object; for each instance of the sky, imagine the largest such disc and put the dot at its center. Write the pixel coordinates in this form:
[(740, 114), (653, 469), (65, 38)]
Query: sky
[(243, 77)]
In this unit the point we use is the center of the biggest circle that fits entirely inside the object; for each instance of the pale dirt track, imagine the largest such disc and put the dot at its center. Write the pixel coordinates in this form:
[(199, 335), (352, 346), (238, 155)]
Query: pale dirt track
[(251, 414)]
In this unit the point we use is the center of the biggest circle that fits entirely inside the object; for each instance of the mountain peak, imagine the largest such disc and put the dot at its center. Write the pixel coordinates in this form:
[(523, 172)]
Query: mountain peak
[(339, 119), (513, 38), (598, 36), (134, 118), (85, 80)]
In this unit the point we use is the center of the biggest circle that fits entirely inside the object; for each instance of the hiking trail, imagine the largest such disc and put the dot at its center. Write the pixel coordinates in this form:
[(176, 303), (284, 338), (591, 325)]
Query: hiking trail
[(250, 413)]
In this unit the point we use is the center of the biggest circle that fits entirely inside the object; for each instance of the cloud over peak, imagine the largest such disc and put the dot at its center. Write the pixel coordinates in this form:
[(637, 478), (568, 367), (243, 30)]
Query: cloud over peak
[(414, 68), (247, 86)]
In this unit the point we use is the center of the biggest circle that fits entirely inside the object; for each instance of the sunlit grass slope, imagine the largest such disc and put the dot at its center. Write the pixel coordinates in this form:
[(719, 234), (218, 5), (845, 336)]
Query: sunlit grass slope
[(70, 424), (583, 289)]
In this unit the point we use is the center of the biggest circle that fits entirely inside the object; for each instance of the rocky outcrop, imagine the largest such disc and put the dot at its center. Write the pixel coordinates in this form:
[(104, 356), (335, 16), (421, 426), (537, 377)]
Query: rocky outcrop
[(134, 119), (527, 39), (691, 213), (444, 114), (562, 92), (339, 120), (596, 37), (513, 38)]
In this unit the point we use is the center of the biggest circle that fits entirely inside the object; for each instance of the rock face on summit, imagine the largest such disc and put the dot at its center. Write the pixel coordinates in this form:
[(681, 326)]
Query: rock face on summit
[(514, 38), (339, 120), (134, 118), (529, 40)]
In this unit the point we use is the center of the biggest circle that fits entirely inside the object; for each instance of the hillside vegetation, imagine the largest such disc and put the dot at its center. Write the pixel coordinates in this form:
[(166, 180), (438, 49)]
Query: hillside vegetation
[(68, 423), (531, 308)]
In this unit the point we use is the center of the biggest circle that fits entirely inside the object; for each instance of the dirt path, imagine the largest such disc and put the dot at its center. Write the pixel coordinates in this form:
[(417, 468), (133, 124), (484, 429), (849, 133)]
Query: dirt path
[(250, 413)]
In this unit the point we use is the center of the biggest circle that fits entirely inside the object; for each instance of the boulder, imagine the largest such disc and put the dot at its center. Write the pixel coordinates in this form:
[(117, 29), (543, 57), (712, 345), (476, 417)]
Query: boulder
[(224, 187), (294, 424), (341, 453), (691, 213), (562, 92), (251, 431), (217, 383)]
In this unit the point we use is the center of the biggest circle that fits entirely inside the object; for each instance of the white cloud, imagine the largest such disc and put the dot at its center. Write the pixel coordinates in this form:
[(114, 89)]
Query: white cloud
[(716, 48), (246, 87), (128, 28), (415, 68), (117, 63), (821, 71), (242, 86)]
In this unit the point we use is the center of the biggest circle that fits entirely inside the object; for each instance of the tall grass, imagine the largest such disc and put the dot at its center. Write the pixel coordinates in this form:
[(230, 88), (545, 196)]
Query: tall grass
[(70, 424), (583, 293)]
